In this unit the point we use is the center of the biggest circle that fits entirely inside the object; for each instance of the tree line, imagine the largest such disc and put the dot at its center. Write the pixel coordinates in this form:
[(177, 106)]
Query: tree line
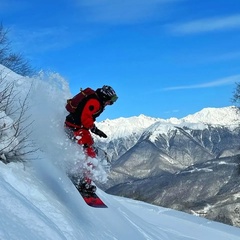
[(14, 132), (8, 58)]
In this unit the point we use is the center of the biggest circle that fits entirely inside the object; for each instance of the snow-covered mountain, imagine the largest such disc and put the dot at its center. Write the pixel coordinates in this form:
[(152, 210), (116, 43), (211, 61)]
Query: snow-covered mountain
[(226, 116), (38, 201), (166, 158), (124, 133), (122, 127)]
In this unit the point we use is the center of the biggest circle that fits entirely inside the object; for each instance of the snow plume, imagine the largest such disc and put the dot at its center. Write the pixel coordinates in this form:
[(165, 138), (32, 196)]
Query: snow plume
[(46, 96), (49, 95)]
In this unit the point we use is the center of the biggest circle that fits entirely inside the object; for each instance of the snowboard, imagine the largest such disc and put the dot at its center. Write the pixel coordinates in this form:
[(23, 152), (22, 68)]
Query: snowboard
[(92, 199)]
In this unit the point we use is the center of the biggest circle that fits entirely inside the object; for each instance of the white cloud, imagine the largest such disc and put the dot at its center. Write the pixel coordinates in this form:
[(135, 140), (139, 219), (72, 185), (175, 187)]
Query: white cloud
[(123, 11), (222, 57), (208, 25), (42, 39), (216, 83)]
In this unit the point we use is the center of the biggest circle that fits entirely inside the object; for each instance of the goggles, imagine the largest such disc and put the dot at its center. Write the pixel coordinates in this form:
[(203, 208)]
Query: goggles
[(113, 99)]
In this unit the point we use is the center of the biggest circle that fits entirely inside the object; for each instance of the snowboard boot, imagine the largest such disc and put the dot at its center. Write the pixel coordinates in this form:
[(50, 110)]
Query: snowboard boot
[(86, 186)]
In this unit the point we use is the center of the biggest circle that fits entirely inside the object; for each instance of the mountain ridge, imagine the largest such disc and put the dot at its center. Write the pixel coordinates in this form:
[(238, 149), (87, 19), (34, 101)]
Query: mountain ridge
[(225, 116), (199, 151)]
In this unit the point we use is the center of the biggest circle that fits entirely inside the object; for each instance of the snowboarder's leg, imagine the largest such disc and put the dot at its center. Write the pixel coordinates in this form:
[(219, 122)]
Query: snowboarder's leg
[(89, 151), (85, 139)]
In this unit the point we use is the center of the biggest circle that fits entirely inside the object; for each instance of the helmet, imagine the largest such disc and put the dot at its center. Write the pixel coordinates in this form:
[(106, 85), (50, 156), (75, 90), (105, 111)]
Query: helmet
[(107, 94)]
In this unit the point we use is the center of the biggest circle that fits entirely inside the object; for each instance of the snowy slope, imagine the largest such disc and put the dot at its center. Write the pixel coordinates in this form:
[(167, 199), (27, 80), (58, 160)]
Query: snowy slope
[(38, 201), (49, 207)]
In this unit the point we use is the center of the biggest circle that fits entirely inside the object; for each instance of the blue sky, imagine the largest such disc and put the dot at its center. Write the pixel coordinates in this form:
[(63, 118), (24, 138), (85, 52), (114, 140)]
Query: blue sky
[(164, 58)]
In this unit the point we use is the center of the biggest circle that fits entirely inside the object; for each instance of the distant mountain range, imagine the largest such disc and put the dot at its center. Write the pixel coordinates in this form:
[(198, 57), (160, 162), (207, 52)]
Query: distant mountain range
[(189, 164)]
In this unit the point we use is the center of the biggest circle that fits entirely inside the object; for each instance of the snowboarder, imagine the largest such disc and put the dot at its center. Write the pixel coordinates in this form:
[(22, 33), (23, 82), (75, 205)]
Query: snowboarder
[(80, 122)]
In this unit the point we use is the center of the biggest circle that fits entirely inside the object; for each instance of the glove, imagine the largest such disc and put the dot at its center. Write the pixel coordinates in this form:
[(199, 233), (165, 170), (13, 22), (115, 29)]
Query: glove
[(98, 132)]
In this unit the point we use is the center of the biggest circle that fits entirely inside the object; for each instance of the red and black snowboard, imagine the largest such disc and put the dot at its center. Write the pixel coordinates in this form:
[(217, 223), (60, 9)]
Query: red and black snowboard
[(89, 195), (92, 199)]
